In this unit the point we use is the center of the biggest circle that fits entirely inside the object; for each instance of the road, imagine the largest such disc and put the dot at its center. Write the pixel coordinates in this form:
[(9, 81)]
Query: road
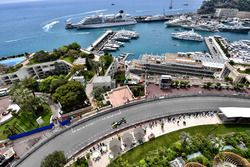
[(77, 137)]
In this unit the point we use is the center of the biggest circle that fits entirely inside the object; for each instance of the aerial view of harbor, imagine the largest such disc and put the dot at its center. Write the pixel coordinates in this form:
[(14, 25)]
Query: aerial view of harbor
[(114, 83)]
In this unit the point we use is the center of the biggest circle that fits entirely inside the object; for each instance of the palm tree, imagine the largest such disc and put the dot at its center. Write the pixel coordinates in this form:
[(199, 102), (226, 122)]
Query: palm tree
[(26, 99), (8, 130), (16, 115)]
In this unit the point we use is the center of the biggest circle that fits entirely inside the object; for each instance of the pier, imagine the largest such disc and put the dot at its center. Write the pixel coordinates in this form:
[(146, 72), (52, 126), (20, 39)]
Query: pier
[(99, 43), (214, 47)]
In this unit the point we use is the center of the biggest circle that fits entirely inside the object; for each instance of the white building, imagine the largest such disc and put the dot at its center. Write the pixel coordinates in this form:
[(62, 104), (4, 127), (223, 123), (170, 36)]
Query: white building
[(234, 114), (79, 79), (80, 61), (177, 162), (38, 71), (103, 82), (226, 12)]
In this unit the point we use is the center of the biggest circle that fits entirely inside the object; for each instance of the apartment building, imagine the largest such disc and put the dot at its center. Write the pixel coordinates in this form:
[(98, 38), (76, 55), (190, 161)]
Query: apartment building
[(236, 72), (38, 71)]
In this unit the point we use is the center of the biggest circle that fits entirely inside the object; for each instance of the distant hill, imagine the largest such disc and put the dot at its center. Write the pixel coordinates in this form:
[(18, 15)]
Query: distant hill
[(208, 6)]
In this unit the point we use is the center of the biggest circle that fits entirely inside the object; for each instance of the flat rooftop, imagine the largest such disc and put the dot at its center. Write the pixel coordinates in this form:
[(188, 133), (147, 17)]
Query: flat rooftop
[(80, 61), (235, 112), (182, 59), (119, 96), (197, 59), (4, 104), (101, 79)]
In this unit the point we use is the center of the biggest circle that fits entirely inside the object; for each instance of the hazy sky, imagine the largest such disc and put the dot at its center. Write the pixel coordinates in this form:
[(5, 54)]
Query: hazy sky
[(16, 1)]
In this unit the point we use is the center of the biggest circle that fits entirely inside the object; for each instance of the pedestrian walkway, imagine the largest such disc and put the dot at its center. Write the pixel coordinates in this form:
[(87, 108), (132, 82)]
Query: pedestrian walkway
[(153, 129)]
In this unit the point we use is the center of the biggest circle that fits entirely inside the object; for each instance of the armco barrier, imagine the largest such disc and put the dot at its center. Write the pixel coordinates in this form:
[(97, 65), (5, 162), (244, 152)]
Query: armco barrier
[(100, 113), (65, 122), (18, 136)]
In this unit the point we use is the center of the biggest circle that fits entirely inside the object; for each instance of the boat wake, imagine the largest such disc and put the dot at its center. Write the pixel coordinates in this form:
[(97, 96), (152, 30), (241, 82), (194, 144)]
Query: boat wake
[(50, 25), (12, 40), (72, 16), (83, 33), (18, 39)]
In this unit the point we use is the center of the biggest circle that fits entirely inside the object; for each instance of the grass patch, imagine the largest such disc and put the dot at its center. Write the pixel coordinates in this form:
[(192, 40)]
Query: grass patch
[(140, 152), (68, 59), (25, 125)]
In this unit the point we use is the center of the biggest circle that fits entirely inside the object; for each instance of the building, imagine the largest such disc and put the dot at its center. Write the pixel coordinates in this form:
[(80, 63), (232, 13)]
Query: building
[(6, 157), (119, 96), (177, 162), (165, 81), (80, 61), (38, 71), (243, 15), (237, 72), (231, 13), (79, 79), (234, 114), (103, 82), (226, 12), (112, 68), (190, 64)]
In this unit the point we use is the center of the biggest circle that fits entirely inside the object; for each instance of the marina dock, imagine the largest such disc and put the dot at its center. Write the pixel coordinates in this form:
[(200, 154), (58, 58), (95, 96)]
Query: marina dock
[(99, 43), (214, 47), (111, 41)]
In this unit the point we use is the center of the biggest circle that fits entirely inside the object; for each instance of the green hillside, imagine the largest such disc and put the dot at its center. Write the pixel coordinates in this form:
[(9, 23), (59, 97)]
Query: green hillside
[(209, 6)]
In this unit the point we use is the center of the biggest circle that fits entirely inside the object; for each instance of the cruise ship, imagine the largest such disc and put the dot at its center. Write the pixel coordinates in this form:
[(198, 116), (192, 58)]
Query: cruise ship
[(100, 21), (188, 35)]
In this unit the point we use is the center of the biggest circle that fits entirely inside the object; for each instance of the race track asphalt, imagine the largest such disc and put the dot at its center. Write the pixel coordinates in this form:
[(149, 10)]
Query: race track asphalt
[(79, 136)]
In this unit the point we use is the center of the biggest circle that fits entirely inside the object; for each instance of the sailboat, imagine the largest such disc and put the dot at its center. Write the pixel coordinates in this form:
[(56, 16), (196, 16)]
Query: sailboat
[(171, 4)]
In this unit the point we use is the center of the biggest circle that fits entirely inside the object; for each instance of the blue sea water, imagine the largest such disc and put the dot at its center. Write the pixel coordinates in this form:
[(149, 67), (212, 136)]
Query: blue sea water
[(32, 26)]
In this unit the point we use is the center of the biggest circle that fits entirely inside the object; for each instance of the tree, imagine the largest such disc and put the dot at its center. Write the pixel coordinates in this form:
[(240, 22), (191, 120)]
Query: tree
[(70, 95), (55, 159), (120, 76), (208, 84), (81, 162), (26, 99), (184, 136), (106, 59), (218, 85), (97, 93), (231, 62), (30, 83), (51, 83), (74, 46)]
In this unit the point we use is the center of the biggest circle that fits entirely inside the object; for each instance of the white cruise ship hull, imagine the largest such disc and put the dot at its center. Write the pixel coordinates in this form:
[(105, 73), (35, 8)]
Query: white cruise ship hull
[(103, 25)]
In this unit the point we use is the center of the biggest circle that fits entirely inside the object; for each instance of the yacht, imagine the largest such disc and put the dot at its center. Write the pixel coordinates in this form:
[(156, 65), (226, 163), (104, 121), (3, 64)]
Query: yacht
[(188, 35), (178, 21), (100, 21), (237, 28), (155, 18)]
